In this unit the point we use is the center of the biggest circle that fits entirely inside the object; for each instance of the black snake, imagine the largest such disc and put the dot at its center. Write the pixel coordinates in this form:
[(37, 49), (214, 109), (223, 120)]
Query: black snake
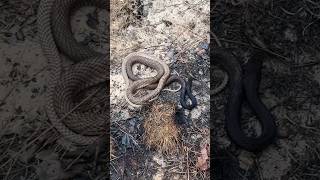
[(244, 83)]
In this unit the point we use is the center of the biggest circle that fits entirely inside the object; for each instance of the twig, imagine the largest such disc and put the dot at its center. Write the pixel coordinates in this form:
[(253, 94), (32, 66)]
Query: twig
[(78, 105), (73, 161), (132, 138), (188, 174), (6, 96), (216, 38), (266, 50), (258, 169)]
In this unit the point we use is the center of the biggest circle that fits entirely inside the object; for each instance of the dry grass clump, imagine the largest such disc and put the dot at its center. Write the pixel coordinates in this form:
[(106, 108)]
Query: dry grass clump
[(161, 132)]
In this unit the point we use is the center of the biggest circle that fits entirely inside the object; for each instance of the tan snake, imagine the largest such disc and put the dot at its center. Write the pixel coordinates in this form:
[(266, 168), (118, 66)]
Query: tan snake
[(64, 85), (132, 85), (153, 84)]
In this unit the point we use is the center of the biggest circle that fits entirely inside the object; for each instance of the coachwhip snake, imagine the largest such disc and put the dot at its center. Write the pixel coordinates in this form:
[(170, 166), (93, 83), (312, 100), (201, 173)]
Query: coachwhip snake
[(153, 84), (89, 70), (244, 83)]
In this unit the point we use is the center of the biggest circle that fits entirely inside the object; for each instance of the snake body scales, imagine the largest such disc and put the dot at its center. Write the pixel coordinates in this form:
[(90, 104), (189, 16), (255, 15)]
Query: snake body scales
[(244, 84), (89, 69), (154, 84)]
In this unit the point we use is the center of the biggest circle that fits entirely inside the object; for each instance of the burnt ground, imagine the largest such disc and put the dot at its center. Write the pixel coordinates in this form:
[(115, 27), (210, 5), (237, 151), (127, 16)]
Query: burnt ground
[(289, 87)]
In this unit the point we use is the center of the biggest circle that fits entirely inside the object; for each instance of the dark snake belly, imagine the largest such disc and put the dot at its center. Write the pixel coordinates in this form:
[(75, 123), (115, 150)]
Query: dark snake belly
[(244, 84)]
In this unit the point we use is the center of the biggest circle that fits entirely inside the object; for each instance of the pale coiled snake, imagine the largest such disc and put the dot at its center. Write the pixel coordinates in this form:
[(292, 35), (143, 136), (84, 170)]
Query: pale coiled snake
[(64, 85), (154, 84)]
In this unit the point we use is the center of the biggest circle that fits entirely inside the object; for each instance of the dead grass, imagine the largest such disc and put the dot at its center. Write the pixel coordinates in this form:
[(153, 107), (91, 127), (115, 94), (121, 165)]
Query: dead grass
[(161, 132)]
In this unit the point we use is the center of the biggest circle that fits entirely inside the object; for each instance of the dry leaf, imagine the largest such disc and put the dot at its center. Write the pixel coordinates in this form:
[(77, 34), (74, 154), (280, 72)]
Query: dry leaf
[(202, 159)]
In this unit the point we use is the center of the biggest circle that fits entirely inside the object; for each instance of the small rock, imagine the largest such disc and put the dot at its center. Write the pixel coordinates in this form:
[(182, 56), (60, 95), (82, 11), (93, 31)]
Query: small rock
[(196, 113), (204, 45), (201, 52), (159, 160), (132, 123), (246, 159), (283, 132), (290, 34), (167, 23), (273, 164), (125, 140)]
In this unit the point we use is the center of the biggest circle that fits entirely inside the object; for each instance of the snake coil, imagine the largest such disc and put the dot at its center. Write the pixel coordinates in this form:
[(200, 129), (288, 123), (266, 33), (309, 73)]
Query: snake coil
[(244, 84), (154, 84), (89, 69)]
